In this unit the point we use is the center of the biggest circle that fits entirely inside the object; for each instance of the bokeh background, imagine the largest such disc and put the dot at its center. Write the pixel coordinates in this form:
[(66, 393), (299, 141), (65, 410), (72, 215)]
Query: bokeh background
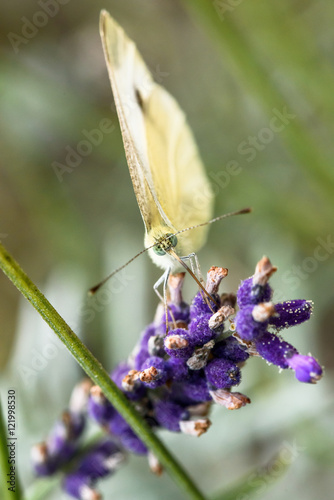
[(232, 66)]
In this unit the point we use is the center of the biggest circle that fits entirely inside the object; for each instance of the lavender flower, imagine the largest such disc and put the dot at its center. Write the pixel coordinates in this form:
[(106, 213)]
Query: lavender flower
[(100, 461), (178, 369), (252, 321), (178, 344), (291, 313), (199, 331), (274, 349), (154, 372), (193, 390), (63, 440), (256, 289), (222, 373), (142, 349), (169, 414), (118, 374), (99, 408), (307, 369), (174, 378), (230, 349), (119, 428), (255, 317)]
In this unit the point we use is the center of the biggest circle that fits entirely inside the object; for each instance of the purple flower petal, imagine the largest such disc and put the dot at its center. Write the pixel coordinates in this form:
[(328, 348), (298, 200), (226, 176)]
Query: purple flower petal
[(194, 390), (120, 428), (307, 369), (119, 373), (230, 349), (141, 352), (246, 326), (168, 414), (131, 442), (250, 293), (199, 331), (43, 463), (199, 306), (274, 349), (161, 375), (178, 312), (222, 373), (95, 464), (182, 347), (99, 408), (178, 369), (75, 484), (117, 376), (291, 313), (62, 441), (100, 461)]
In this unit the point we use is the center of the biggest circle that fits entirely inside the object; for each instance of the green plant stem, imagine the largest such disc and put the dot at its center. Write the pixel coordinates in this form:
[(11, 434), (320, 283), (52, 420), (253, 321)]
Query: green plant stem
[(96, 372), (4, 464), (238, 52)]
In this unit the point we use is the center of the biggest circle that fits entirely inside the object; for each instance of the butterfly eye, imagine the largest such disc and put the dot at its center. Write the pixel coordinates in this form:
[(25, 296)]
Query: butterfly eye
[(158, 249), (169, 241), (173, 241)]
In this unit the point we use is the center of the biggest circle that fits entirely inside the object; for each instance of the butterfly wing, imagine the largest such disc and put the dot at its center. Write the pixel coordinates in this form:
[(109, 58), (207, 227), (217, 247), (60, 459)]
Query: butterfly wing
[(130, 79), (179, 178), (168, 177)]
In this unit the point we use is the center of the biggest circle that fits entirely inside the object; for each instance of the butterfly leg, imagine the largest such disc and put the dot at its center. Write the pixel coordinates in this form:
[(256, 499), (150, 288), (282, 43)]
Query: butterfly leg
[(163, 279), (195, 267)]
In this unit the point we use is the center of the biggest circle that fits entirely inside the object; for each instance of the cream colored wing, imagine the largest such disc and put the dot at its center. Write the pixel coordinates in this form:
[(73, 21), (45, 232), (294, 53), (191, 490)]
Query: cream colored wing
[(130, 80), (179, 178), (168, 177)]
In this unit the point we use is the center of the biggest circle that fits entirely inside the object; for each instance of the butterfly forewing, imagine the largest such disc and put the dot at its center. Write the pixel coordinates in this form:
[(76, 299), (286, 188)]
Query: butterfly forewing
[(129, 75), (178, 174), (168, 177)]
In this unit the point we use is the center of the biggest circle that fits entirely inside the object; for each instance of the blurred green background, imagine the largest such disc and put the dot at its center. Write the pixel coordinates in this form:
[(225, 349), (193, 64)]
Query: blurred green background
[(233, 66)]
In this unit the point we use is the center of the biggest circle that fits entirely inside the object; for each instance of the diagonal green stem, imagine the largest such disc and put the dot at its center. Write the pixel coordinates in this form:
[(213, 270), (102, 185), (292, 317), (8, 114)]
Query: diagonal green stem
[(5, 466), (96, 372)]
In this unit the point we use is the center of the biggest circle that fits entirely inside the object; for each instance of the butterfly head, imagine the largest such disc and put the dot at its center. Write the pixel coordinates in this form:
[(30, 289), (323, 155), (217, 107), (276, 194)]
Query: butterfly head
[(164, 244), (160, 241)]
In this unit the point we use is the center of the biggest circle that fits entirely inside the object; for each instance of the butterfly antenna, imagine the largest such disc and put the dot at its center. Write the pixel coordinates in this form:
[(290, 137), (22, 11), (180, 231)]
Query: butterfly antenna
[(171, 252), (95, 288), (224, 216)]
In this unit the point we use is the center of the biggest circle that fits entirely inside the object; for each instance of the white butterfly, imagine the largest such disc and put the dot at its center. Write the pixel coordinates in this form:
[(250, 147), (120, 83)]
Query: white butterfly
[(168, 177)]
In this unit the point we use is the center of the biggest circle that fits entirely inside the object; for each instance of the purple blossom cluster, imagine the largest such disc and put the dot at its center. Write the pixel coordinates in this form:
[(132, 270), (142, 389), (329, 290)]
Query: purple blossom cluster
[(173, 378), (258, 322)]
